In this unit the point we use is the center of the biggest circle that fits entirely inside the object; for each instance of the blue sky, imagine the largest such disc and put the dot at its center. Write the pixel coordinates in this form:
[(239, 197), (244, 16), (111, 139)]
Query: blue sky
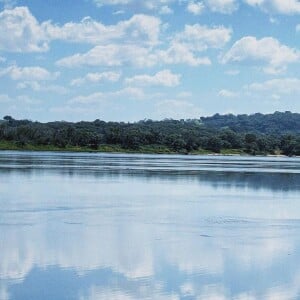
[(128, 60)]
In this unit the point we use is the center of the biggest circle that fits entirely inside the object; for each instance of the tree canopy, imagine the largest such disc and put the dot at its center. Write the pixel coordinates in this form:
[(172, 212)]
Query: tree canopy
[(253, 134)]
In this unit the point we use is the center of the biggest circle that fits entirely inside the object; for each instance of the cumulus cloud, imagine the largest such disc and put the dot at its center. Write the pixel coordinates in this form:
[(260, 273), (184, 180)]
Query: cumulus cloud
[(185, 47), (119, 55), (177, 109), (227, 94), (285, 86), (200, 37), (137, 4), (222, 6), (111, 55), (288, 7), (273, 89), (165, 10), (144, 28), (100, 97), (21, 32), (179, 53), (111, 2), (135, 41), (38, 87), (182, 49), (163, 78), (28, 73), (195, 8), (269, 51), (96, 78)]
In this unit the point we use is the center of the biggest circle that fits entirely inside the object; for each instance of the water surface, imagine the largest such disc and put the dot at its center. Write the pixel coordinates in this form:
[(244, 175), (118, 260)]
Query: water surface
[(116, 226)]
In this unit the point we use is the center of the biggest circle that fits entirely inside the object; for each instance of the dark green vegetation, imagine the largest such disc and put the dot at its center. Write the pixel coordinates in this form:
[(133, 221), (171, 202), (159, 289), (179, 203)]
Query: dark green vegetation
[(277, 133)]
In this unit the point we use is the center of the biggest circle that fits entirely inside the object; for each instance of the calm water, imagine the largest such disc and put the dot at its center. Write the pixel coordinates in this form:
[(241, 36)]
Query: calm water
[(102, 226)]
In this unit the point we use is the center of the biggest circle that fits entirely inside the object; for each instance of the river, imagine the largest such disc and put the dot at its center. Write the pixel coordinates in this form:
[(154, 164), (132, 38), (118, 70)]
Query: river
[(120, 226)]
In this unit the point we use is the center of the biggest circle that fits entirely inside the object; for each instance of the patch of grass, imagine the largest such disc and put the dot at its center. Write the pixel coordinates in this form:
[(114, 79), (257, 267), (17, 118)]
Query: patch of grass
[(201, 152), (159, 149), (6, 145), (232, 152), (147, 149)]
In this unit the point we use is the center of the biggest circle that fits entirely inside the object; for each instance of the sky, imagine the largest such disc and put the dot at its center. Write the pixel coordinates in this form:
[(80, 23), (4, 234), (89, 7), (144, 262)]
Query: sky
[(128, 60)]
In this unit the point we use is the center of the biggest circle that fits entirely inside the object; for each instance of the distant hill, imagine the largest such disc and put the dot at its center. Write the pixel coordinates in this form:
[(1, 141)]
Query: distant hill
[(276, 123)]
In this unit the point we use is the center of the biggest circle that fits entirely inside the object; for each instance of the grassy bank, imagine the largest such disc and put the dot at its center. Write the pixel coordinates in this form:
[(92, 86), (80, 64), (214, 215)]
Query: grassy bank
[(147, 149), (5, 145)]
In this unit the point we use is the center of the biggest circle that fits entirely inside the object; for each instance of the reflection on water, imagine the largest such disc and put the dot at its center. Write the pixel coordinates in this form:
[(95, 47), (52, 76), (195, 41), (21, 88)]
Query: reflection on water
[(99, 226)]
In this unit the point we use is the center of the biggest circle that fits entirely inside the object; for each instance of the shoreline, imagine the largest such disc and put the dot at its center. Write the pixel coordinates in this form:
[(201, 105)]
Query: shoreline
[(115, 149)]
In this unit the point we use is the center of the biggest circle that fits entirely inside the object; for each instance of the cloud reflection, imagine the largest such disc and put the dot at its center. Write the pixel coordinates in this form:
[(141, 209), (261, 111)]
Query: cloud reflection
[(131, 237)]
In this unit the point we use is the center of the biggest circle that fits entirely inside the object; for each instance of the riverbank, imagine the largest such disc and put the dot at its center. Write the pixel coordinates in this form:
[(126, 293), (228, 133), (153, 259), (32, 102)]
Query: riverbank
[(148, 149)]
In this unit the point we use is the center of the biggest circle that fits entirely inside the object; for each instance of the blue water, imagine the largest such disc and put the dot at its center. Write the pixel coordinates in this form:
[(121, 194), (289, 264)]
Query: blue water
[(116, 226)]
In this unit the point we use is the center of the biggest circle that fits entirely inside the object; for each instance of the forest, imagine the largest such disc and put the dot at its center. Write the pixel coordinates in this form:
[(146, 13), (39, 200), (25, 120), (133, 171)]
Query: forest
[(256, 134)]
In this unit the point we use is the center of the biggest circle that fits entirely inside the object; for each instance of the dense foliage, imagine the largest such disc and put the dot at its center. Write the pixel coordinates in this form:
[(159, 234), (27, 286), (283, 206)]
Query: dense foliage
[(255, 134), (277, 123)]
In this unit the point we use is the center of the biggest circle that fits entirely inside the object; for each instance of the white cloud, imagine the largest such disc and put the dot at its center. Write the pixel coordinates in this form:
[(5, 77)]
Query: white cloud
[(163, 78), (89, 99), (119, 12), (179, 53), (186, 45), (136, 4), (111, 55), (100, 97), (96, 78), (267, 50), (195, 8), (288, 7), (177, 109), (141, 28), (222, 6), (200, 37), (227, 94), (298, 27), (284, 86), (183, 48), (2, 59), (119, 55), (38, 87), (274, 89), (28, 73), (96, 293), (165, 10), (128, 93), (111, 2), (21, 32)]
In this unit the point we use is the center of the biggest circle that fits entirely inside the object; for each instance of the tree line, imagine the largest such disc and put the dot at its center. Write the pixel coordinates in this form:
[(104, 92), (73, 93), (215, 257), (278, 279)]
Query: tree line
[(253, 134)]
